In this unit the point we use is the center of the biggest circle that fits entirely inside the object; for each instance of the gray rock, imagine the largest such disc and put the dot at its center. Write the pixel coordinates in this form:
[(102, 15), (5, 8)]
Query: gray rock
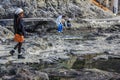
[(2, 11), (86, 74), (101, 57), (112, 37), (42, 76), (15, 72), (26, 74), (6, 4), (45, 8)]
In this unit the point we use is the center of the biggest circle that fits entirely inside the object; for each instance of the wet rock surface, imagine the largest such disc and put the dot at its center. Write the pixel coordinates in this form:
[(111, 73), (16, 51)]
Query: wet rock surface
[(21, 72), (91, 74), (78, 53), (63, 55)]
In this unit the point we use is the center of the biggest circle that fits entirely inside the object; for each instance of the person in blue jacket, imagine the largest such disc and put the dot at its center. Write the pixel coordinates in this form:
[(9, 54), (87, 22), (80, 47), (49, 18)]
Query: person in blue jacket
[(61, 22)]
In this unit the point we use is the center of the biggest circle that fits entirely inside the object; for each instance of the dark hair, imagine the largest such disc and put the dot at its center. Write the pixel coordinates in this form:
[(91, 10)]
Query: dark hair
[(15, 22), (63, 16)]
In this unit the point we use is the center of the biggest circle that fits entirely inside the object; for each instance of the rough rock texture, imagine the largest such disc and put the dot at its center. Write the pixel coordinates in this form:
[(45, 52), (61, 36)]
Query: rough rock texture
[(24, 72), (50, 49), (5, 34), (21, 72), (85, 74), (51, 8)]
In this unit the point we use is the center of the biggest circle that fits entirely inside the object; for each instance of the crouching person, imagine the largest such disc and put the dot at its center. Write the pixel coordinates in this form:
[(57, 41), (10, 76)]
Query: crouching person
[(61, 22)]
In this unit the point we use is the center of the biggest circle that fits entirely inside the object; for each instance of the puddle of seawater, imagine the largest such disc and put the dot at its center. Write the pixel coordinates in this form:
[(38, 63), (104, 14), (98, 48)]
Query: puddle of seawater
[(87, 61), (81, 62), (112, 65)]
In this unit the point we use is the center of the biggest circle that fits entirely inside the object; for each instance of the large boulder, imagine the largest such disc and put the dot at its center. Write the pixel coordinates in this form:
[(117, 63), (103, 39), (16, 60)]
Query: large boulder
[(52, 8)]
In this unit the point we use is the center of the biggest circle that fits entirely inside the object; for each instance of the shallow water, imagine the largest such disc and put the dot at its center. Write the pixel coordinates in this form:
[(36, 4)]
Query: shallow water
[(110, 65), (82, 48)]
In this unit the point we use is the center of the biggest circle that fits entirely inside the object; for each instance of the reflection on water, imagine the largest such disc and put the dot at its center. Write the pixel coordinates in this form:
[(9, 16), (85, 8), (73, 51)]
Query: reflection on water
[(81, 62), (87, 61)]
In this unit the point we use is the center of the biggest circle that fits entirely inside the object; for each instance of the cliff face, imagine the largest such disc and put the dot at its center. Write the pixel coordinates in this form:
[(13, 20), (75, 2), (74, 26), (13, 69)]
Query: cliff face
[(52, 8)]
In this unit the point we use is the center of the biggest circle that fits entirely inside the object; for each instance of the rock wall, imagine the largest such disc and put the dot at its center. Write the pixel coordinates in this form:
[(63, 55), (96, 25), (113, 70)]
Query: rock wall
[(52, 8)]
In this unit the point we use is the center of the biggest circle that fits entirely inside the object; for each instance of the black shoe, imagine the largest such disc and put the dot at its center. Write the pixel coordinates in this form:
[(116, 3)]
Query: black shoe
[(12, 52), (21, 57)]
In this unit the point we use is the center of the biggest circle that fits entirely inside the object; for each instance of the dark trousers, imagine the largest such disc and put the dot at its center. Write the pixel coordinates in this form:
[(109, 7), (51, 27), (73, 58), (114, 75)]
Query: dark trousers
[(19, 45)]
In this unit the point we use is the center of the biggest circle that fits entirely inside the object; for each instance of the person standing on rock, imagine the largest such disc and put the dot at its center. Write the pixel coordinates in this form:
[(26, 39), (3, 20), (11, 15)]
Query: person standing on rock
[(19, 32)]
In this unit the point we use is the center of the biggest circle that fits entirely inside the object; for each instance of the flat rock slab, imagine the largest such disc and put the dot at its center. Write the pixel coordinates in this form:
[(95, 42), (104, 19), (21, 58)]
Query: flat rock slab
[(4, 61), (7, 58), (10, 21), (15, 60)]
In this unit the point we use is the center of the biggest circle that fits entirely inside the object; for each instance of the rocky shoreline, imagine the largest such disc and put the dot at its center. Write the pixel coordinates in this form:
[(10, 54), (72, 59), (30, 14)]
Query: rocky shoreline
[(86, 51), (73, 54)]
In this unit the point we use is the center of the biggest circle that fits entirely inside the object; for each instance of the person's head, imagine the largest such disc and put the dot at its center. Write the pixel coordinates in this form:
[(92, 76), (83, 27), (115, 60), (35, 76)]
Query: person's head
[(64, 16), (19, 12)]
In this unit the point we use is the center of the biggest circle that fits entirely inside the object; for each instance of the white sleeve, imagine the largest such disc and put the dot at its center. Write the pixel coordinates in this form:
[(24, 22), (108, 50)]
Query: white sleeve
[(58, 20)]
